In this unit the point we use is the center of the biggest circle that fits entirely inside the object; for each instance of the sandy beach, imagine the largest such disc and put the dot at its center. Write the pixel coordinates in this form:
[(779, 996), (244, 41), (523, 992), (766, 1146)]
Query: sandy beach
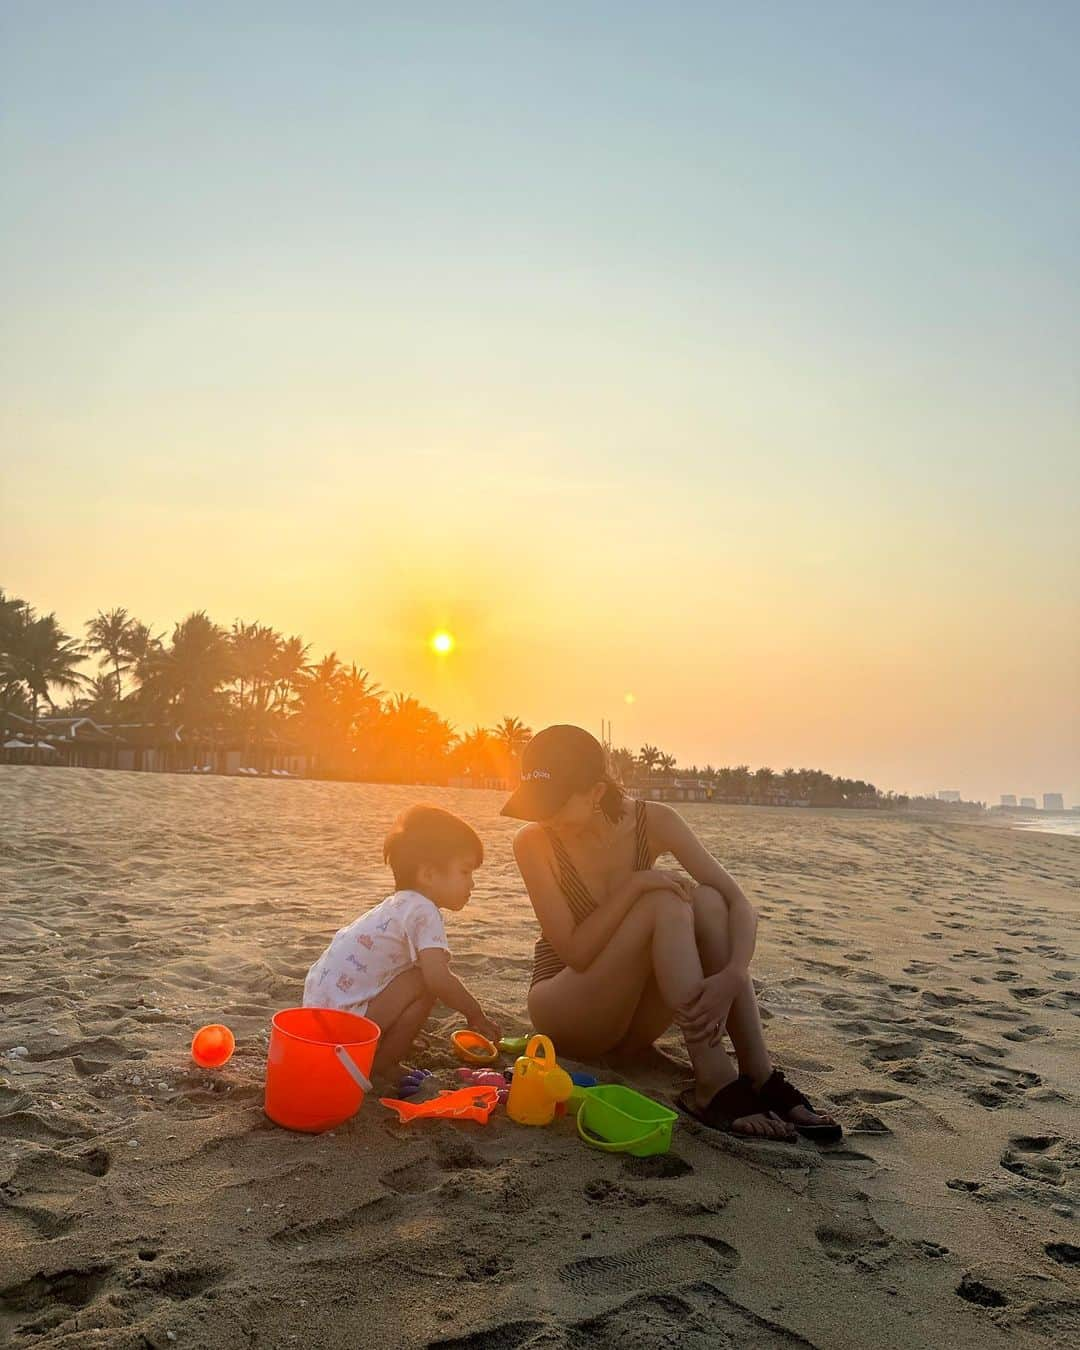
[(920, 976)]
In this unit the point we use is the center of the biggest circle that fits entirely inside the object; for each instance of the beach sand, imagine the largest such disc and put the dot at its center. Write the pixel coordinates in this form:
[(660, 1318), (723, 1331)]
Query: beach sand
[(921, 976)]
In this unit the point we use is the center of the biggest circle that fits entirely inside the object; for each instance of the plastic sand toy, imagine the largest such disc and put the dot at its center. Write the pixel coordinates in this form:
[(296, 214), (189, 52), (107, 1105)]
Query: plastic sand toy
[(514, 1045), (317, 1067), (473, 1048), (212, 1046), (538, 1085), (412, 1082), (619, 1120), (473, 1103)]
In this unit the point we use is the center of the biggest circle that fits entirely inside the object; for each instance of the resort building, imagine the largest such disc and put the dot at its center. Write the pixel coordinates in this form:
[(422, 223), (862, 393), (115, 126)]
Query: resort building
[(1053, 801), (145, 747), (1008, 799)]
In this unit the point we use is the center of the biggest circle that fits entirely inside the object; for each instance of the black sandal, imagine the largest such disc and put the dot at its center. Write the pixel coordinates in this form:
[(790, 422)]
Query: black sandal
[(728, 1105), (778, 1095)]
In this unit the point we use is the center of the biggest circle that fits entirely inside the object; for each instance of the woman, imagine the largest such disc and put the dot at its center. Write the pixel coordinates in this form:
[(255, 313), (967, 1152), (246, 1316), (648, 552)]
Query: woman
[(627, 949)]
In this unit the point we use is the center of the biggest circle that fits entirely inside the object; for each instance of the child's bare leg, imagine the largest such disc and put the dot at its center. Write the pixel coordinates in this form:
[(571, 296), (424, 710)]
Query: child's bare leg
[(400, 1010), (744, 1020)]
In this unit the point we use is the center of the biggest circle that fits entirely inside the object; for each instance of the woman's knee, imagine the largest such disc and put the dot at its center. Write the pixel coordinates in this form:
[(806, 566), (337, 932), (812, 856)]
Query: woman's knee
[(708, 900), (667, 905)]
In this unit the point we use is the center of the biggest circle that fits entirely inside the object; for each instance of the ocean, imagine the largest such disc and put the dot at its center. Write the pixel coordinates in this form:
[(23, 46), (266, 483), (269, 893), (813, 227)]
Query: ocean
[(1052, 825)]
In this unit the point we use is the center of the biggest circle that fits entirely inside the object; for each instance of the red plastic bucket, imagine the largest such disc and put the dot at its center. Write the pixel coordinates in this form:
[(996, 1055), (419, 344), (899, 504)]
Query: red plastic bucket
[(318, 1067)]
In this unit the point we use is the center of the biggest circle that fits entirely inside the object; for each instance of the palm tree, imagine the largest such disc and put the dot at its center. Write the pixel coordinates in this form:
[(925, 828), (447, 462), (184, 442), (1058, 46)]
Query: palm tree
[(647, 758), (319, 716), (15, 614), (623, 765), (666, 763), (189, 675), (477, 752), (41, 657), (764, 782), (739, 779), (290, 667), (513, 735), (413, 741), (254, 650), (109, 637), (360, 705), (97, 699)]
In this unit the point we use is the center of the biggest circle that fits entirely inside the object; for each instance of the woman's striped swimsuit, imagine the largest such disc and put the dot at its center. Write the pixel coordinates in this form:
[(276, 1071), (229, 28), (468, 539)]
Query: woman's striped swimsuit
[(546, 961)]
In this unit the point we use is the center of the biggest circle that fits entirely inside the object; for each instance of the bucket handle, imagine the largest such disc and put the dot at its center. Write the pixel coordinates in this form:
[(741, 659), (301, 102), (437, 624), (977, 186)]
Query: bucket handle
[(349, 1065), (596, 1142)]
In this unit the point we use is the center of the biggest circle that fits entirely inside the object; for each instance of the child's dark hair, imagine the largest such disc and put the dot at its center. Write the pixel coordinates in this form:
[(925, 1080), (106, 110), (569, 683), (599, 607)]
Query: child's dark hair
[(428, 834)]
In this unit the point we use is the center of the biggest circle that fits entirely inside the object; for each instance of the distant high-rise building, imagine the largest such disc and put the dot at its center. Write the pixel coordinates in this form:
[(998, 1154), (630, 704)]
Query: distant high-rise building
[(1028, 801), (1053, 801), (948, 795), (1008, 799)]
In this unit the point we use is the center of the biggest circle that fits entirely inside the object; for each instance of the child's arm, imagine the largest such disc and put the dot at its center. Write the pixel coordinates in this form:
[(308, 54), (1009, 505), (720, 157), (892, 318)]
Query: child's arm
[(447, 988)]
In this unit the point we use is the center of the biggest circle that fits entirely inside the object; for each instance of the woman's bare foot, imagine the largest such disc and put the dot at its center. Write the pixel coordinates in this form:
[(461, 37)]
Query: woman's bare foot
[(765, 1125), (801, 1115)]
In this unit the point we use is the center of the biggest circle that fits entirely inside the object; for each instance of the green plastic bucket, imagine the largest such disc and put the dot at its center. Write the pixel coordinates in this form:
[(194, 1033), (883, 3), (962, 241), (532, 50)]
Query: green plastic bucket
[(620, 1120)]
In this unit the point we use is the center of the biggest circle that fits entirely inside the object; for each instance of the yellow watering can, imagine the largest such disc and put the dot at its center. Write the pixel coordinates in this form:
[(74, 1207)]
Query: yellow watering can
[(538, 1083)]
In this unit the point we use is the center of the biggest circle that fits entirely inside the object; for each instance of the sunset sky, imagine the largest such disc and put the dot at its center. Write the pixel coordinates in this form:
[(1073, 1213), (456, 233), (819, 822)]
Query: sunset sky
[(723, 358)]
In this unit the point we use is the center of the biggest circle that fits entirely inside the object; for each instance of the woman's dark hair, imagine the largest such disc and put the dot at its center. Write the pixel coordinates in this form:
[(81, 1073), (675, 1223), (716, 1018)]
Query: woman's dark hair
[(613, 802), (589, 766), (428, 834)]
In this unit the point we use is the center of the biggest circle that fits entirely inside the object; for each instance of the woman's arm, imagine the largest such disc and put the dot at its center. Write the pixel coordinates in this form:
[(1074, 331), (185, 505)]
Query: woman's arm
[(669, 833), (578, 946)]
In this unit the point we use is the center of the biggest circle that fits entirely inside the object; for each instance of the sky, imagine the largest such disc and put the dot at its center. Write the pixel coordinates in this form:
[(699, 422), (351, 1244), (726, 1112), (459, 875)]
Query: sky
[(719, 356)]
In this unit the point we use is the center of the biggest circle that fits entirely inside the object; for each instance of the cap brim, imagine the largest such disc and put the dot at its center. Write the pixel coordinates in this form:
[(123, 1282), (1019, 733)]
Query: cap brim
[(535, 800)]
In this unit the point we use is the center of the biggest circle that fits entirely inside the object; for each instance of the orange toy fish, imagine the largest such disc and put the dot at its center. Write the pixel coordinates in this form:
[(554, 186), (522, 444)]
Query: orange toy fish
[(475, 1103)]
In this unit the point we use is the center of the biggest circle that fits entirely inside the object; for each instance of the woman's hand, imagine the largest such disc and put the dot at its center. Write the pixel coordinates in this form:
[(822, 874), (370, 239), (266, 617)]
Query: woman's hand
[(710, 1006), (665, 879)]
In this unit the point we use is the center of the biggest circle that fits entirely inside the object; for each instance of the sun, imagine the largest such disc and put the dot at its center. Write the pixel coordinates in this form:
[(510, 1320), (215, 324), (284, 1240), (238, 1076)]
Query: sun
[(442, 643)]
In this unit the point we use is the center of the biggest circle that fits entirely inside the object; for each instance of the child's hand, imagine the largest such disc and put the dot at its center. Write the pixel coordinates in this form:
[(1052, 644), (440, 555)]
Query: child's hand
[(486, 1027)]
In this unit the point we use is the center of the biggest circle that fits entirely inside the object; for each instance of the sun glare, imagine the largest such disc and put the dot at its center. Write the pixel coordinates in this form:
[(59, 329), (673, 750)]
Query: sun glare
[(442, 643)]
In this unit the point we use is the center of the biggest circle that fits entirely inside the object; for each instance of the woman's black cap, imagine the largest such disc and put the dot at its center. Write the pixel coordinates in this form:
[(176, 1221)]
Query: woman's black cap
[(555, 764)]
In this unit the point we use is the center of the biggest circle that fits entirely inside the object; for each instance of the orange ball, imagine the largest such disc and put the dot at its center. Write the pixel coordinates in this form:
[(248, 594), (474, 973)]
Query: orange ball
[(212, 1046)]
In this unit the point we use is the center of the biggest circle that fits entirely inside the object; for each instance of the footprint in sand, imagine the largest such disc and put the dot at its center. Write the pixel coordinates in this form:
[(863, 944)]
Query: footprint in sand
[(982, 1294), (700, 1317), (1029, 1032), (683, 1259), (54, 1297), (1041, 1157), (332, 1229)]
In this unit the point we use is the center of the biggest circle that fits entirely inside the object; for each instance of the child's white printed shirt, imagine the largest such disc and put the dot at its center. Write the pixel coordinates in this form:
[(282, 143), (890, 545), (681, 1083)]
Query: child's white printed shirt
[(374, 950)]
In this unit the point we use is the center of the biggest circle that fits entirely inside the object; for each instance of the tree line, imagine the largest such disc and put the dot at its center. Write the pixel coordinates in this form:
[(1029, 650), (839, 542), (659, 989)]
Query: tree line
[(250, 685)]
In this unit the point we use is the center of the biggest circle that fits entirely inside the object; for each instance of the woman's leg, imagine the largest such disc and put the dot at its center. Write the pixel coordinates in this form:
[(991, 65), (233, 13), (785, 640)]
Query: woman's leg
[(744, 1021), (399, 1010), (588, 1013)]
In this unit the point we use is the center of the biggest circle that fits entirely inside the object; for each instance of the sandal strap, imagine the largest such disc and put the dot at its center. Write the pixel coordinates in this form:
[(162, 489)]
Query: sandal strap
[(781, 1096), (731, 1103)]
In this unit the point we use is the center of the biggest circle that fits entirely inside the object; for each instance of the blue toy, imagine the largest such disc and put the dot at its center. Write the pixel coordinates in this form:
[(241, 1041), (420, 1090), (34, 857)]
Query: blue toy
[(412, 1082)]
